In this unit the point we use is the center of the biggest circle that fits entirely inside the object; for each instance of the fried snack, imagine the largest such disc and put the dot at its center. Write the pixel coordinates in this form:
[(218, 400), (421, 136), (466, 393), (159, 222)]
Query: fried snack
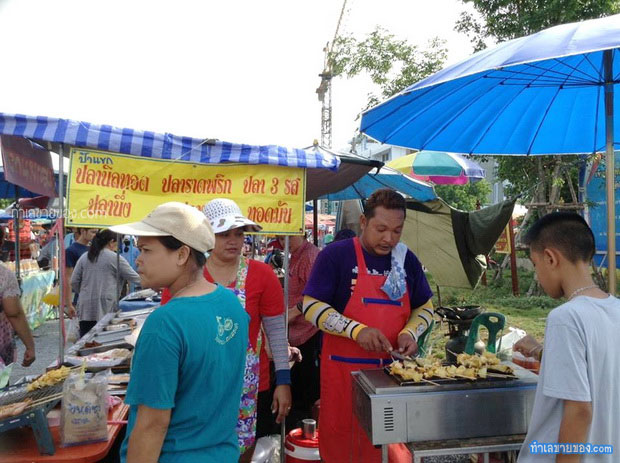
[(487, 360), (491, 358), (505, 369), (470, 367), (407, 372), (477, 361), (396, 368), (91, 344), (6, 411), (49, 379), (412, 374), (425, 362)]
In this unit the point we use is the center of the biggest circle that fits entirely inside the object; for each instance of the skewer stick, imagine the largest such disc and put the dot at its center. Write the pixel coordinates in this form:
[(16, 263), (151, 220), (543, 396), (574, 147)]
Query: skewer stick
[(50, 398), (466, 377), (430, 382), (501, 375)]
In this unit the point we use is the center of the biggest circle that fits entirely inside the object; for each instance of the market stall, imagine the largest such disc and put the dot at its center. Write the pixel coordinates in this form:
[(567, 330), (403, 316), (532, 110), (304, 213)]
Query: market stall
[(119, 175)]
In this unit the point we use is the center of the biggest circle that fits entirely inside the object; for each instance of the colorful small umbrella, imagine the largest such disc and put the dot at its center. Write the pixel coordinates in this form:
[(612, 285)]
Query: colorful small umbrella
[(439, 167)]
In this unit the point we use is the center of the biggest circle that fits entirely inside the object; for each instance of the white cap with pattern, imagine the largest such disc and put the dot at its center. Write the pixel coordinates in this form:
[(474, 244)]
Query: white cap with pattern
[(224, 214)]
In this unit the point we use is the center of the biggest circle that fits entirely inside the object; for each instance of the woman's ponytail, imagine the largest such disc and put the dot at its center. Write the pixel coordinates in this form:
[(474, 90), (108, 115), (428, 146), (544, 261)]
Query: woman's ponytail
[(100, 241)]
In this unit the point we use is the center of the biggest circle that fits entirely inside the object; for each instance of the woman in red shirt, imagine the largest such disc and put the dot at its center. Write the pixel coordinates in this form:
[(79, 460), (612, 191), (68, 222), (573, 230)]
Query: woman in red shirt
[(260, 292)]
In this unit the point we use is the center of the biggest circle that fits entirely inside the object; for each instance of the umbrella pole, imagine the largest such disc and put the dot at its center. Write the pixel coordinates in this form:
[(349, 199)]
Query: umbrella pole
[(610, 171), (286, 280)]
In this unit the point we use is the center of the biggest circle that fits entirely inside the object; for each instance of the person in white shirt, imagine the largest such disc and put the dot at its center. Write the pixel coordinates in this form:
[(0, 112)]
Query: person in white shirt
[(578, 398)]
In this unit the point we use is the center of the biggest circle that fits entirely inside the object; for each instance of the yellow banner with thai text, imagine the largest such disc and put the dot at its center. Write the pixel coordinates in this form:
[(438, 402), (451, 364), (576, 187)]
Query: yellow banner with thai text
[(109, 189)]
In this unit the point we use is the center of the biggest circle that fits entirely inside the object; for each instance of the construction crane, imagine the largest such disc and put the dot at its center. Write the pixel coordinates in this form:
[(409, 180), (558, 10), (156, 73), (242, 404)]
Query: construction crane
[(324, 91)]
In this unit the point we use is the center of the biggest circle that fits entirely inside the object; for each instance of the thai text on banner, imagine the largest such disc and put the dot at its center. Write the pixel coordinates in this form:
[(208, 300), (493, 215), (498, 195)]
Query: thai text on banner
[(109, 189)]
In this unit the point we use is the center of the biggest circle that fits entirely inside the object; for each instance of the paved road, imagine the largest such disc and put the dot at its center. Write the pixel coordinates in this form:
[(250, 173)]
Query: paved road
[(46, 343)]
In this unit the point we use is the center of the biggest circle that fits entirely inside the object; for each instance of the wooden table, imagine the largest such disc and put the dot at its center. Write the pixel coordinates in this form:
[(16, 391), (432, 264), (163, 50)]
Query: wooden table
[(19, 445)]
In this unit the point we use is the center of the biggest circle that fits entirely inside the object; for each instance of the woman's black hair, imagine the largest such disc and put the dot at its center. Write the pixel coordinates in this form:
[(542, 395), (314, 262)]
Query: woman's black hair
[(170, 242), (100, 241)]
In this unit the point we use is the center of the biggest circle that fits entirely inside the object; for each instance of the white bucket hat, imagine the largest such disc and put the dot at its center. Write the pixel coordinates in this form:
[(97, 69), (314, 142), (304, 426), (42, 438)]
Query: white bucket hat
[(181, 221), (224, 215)]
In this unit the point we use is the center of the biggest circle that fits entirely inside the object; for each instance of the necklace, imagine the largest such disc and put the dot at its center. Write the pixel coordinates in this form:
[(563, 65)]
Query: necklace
[(579, 290), (228, 279), (185, 288)]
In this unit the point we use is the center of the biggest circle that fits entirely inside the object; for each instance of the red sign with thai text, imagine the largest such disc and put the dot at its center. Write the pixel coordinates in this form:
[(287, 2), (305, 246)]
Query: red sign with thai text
[(28, 165)]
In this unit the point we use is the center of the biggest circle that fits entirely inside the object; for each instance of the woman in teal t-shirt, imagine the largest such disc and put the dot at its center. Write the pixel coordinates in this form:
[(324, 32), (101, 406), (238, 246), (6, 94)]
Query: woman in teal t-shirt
[(188, 364)]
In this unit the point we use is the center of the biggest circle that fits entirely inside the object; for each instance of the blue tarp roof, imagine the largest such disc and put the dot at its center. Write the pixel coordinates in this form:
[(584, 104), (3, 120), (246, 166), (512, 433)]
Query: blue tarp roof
[(158, 145)]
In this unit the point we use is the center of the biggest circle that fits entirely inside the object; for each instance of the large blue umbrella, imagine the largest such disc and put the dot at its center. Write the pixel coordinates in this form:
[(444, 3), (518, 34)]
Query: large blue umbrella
[(548, 93)]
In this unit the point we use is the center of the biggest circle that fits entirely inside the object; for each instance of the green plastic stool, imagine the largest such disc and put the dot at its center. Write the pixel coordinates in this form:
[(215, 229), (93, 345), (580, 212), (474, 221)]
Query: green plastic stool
[(423, 340), (494, 322)]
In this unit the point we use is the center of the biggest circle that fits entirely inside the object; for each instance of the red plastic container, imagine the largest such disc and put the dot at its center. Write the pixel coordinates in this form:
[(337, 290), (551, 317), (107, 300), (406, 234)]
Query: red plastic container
[(526, 362), (299, 449)]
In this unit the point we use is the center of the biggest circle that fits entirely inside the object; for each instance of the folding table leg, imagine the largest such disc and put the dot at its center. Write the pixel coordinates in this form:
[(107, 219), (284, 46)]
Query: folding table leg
[(42, 433)]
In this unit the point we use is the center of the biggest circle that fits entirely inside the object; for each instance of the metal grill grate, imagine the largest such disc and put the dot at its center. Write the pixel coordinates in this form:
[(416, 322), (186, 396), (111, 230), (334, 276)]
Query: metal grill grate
[(19, 393)]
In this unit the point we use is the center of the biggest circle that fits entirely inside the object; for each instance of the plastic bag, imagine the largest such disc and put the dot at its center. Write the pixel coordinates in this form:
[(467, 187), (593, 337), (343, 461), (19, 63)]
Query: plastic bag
[(73, 330), (5, 374), (507, 341), (84, 411), (53, 297)]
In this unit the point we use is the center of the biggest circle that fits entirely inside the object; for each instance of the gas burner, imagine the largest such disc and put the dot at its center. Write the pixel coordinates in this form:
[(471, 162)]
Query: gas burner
[(459, 321)]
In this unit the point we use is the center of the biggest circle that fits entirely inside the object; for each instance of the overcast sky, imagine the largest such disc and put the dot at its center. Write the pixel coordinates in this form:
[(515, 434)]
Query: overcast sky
[(242, 71)]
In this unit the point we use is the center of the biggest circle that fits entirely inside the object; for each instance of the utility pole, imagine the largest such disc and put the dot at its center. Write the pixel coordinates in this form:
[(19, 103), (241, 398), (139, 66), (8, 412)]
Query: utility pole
[(324, 92)]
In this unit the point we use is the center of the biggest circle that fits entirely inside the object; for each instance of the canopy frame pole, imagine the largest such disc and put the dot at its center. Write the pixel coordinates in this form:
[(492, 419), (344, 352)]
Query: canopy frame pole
[(119, 288), (315, 221), (61, 266), (16, 230), (611, 170), (286, 281)]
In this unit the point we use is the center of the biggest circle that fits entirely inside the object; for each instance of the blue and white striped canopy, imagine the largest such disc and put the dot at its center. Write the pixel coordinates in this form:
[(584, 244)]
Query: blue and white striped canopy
[(158, 145)]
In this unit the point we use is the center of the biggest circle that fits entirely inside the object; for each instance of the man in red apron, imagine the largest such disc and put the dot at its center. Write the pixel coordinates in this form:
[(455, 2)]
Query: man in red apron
[(368, 295)]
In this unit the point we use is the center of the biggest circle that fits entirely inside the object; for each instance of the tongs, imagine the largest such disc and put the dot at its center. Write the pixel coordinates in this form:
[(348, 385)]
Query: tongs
[(398, 356)]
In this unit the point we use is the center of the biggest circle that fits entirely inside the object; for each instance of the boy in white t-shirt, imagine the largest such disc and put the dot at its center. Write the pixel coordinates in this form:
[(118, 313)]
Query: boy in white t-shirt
[(578, 395)]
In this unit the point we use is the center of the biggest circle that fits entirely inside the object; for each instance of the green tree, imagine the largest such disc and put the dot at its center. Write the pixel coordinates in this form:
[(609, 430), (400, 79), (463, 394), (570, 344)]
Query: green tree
[(501, 20), (392, 64), (539, 178), (465, 197)]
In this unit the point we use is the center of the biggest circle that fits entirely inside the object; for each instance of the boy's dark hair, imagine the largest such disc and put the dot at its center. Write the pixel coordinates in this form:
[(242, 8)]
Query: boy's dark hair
[(170, 242), (565, 231), (387, 198)]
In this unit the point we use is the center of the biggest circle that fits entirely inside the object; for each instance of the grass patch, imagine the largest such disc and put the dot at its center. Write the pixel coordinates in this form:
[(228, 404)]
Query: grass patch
[(527, 313)]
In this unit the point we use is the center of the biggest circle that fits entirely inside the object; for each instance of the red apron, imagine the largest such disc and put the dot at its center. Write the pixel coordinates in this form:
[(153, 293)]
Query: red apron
[(342, 438)]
